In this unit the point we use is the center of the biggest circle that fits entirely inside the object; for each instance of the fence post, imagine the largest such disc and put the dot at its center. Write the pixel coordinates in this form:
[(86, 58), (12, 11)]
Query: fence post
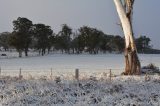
[(51, 74), (147, 78), (20, 73), (77, 74), (0, 71), (110, 75)]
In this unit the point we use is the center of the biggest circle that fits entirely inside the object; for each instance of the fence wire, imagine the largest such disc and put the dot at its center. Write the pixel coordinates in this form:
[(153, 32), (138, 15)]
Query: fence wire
[(62, 72)]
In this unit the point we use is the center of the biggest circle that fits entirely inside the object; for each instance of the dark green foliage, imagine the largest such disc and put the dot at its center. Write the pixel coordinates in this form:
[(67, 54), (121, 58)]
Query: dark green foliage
[(42, 35), (4, 40), (17, 40), (143, 44), (91, 38), (25, 35), (22, 28), (64, 38), (118, 43)]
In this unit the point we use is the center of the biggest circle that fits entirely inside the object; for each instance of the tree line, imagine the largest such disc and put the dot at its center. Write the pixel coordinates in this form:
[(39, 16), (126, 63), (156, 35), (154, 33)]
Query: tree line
[(40, 37)]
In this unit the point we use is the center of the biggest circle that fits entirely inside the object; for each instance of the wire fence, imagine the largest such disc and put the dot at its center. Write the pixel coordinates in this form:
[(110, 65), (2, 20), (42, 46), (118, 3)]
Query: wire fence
[(66, 73)]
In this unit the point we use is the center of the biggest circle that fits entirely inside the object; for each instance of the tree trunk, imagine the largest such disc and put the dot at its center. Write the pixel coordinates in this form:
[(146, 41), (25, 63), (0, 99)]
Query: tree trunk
[(20, 53), (49, 50), (26, 52), (132, 64), (39, 51), (43, 52)]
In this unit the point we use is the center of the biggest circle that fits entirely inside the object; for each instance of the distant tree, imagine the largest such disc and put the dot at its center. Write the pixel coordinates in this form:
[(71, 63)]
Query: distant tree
[(17, 40), (103, 44), (143, 43), (79, 44), (73, 44), (119, 43), (91, 38), (65, 37), (24, 27), (42, 34), (66, 30), (84, 34), (52, 40), (4, 40), (57, 43), (110, 44)]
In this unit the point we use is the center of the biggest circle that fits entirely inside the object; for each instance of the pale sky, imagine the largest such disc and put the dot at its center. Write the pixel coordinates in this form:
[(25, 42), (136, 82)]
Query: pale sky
[(100, 14)]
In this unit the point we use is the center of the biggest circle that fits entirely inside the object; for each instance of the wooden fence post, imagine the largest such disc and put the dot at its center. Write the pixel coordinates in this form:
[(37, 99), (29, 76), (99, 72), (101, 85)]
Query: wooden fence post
[(51, 76), (110, 75), (0, 71), (147, 78), (20, 73), (77, 74)]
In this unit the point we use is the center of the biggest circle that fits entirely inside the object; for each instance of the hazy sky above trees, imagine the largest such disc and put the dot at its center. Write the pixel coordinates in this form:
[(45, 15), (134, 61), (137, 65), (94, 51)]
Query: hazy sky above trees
[(100, 14)]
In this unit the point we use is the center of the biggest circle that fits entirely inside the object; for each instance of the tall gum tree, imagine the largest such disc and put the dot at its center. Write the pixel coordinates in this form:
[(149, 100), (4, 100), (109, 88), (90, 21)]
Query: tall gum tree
[(125, 10)]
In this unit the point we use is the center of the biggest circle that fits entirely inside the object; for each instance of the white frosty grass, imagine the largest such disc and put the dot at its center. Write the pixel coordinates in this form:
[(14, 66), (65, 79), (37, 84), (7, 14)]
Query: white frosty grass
[(95, 90), (63, 73)]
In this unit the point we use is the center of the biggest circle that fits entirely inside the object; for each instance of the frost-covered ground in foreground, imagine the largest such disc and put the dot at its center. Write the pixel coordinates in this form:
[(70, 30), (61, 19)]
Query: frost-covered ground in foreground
[(121, 91)]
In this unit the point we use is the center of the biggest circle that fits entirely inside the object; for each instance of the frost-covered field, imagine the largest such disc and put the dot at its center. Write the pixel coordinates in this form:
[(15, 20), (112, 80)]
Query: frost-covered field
[(39, 88), (94, 91), (61, 62)]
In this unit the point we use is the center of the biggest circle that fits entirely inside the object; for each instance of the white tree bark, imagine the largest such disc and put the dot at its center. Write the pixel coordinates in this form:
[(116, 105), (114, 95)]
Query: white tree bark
[(131, 57), (127, 28)]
